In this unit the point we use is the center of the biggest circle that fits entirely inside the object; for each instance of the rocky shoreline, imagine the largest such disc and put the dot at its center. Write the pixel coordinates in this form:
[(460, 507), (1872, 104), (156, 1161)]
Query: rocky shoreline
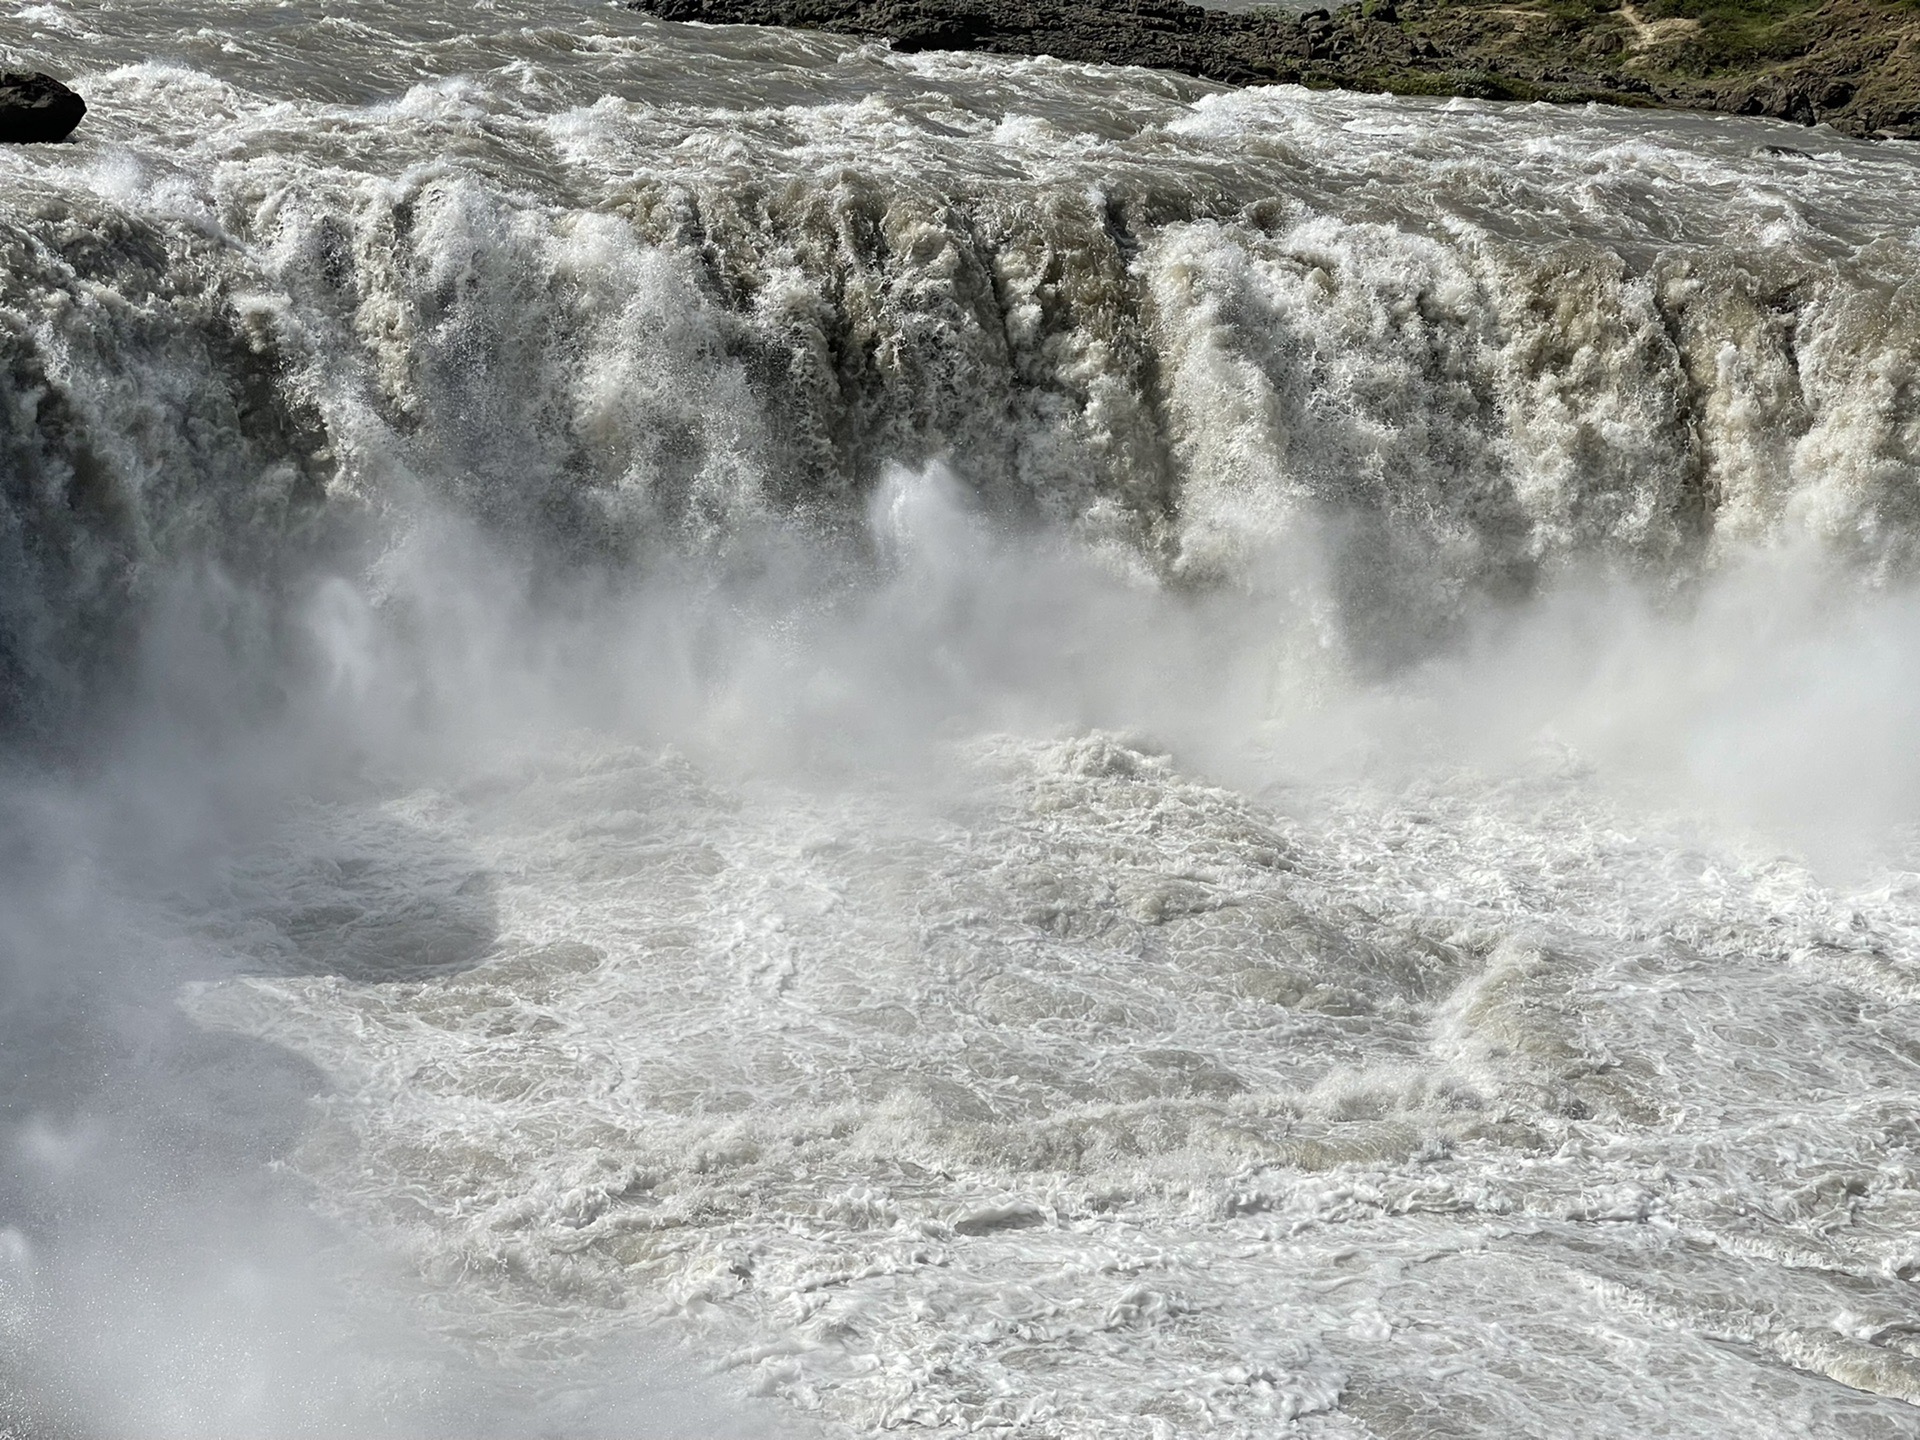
[(1851, 64)]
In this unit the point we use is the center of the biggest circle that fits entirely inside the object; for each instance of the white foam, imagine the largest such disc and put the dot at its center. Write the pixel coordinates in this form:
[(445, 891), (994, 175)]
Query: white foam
[(998, 747)]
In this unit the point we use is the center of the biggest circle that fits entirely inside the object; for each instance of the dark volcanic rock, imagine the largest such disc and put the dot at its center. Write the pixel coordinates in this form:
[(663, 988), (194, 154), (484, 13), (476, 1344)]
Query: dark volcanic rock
[(36, 108), (1852, 64), (1359, 47), (1166, 34)]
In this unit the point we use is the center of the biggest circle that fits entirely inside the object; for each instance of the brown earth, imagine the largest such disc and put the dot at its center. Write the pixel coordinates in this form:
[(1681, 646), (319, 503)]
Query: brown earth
[(1852, 64)]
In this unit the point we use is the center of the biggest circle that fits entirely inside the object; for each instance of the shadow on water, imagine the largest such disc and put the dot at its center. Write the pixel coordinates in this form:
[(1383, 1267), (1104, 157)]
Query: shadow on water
[(152, 1250), (87, 1013), (378, 902)]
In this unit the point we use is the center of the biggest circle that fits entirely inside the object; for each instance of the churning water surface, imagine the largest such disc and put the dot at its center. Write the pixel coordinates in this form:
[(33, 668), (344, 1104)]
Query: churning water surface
[(715, 733)]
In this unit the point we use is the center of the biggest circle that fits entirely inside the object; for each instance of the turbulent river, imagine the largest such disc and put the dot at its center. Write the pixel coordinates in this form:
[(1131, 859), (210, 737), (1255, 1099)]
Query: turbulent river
[(715, 733)]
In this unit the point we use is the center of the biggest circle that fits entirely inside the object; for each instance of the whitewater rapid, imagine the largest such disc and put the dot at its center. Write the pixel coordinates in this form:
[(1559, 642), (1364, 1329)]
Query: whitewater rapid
[(715, 733)]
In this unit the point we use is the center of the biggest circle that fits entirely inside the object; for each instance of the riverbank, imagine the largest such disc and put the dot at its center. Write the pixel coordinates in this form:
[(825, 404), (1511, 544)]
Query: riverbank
[(1851, 64)]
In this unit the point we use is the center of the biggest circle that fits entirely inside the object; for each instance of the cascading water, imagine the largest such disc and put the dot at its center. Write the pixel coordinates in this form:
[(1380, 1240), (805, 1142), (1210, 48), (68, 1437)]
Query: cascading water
[(714, 732)]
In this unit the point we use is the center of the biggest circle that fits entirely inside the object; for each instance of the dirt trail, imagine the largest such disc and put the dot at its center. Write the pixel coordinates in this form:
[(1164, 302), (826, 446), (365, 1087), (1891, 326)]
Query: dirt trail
[(1649, 33)]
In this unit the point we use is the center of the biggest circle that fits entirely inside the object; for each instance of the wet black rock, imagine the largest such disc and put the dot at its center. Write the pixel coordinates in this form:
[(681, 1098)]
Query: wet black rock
[(35, 109), (944, 32)]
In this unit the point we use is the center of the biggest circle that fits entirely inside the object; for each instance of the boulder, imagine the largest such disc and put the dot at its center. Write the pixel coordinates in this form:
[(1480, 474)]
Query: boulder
[(36, 108)]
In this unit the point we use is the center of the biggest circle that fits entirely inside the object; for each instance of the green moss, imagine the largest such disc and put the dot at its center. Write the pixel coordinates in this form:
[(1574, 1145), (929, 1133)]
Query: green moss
[(1736, 36), (1746, 16), (1727, 38)]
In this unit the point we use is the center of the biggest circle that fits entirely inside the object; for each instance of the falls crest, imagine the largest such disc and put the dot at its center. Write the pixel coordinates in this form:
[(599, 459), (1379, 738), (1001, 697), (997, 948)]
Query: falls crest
[(256, 365)]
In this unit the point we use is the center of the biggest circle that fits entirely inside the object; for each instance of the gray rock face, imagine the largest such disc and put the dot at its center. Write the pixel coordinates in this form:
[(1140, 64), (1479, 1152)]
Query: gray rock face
[(35, 109)]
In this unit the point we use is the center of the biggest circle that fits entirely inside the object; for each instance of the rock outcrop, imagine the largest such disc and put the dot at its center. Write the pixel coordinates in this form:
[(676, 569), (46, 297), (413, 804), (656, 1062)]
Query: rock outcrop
[(1854, 64), (36, 109)]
